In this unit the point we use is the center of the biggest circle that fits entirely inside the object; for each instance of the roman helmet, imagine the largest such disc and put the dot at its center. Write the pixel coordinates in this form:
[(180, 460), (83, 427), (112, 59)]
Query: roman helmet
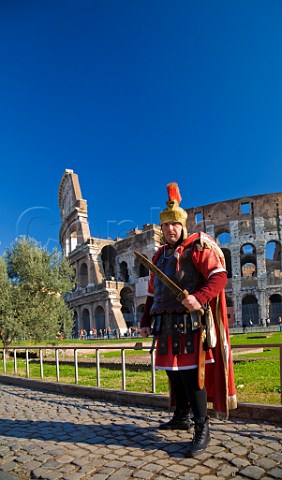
[(173, 212)]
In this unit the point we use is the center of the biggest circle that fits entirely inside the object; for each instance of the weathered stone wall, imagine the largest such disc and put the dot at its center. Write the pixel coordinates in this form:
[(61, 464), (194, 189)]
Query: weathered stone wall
[(255, 222), (112, 285)]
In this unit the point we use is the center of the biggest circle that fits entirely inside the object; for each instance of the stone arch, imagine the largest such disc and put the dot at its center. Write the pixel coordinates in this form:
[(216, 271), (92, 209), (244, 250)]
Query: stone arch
[(127, 306), (73, 240), (248, 249), (230, 311), (248, 269), (275, 306), (83, 275), (108, 256), (99, 319), (85, 320), (250, 310), (222, 236), (75, 327), (227, 256), (140, 311), (143, 271), (140, 269), (273, 256), (74, 278), (124, 276), (248, 260), (67, 246)]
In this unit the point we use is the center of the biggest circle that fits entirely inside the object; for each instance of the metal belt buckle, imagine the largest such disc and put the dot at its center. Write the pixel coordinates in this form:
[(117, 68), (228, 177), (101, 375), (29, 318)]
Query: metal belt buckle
[(180, 321), (195, 320)]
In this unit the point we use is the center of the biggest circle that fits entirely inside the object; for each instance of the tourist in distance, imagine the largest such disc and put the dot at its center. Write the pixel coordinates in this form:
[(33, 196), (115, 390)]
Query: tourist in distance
[(196, 264)]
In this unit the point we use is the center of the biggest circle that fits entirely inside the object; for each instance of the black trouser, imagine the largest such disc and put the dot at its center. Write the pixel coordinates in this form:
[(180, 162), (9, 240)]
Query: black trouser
[(185, 389)]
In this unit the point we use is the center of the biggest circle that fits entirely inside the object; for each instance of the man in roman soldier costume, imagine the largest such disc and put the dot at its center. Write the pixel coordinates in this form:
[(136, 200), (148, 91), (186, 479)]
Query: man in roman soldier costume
[(193, 344)]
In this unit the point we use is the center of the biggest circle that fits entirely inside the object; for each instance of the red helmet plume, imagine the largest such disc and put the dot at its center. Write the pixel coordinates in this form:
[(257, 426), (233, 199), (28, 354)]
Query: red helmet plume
[(174, 192)]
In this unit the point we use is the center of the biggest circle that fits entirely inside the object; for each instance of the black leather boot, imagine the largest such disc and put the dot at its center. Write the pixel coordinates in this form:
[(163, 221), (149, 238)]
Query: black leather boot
[(180, 421), (201, 437)]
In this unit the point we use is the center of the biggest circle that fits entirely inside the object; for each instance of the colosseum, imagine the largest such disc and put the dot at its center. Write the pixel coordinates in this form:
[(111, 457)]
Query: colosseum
[(111, 284)]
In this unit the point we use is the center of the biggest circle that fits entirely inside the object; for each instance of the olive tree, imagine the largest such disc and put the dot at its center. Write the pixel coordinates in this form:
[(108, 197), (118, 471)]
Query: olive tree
[(9, 326), (34, 281)]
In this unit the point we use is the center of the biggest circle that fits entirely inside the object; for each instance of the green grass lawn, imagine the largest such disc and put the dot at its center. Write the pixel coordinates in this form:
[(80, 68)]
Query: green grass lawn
[(257, 374)]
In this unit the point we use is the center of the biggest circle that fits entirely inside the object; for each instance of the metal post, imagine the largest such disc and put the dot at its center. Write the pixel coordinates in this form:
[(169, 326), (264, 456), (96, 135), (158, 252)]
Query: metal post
[(27, 363), (57, 364), (123, 369), (75, 365), (15, 362), (41, 362), (153, 371), (98, 366)]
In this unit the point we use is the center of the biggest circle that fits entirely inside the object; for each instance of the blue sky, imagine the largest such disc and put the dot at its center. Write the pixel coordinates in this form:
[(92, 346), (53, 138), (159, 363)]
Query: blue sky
[(131, 95)]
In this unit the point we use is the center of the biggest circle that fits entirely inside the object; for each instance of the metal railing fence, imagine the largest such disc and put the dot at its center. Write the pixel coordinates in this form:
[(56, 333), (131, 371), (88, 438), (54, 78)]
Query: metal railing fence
[(75, 349), (97, 350)]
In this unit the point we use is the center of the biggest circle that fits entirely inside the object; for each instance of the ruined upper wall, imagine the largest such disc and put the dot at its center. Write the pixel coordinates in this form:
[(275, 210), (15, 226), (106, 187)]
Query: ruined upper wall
[(220, 213), (75, 228), (70, 196)]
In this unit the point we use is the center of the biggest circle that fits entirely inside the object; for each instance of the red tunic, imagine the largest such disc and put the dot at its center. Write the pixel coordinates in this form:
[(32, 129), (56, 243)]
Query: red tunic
[(209, 261), (182, 361)]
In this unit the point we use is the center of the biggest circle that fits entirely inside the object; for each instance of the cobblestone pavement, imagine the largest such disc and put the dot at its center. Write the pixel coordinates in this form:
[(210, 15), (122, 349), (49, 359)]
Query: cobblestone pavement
[(50, 436)]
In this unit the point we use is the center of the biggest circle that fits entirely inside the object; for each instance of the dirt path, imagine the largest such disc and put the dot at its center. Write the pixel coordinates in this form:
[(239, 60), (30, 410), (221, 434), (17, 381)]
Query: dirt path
[(67, 353), (144, 358)]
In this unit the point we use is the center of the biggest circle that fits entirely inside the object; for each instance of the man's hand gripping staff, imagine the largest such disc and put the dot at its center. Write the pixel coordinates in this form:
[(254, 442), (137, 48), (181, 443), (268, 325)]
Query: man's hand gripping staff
[(190, 303)]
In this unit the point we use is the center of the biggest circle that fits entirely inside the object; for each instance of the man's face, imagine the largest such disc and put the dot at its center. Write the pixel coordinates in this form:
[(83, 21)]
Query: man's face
[(172, 231)]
